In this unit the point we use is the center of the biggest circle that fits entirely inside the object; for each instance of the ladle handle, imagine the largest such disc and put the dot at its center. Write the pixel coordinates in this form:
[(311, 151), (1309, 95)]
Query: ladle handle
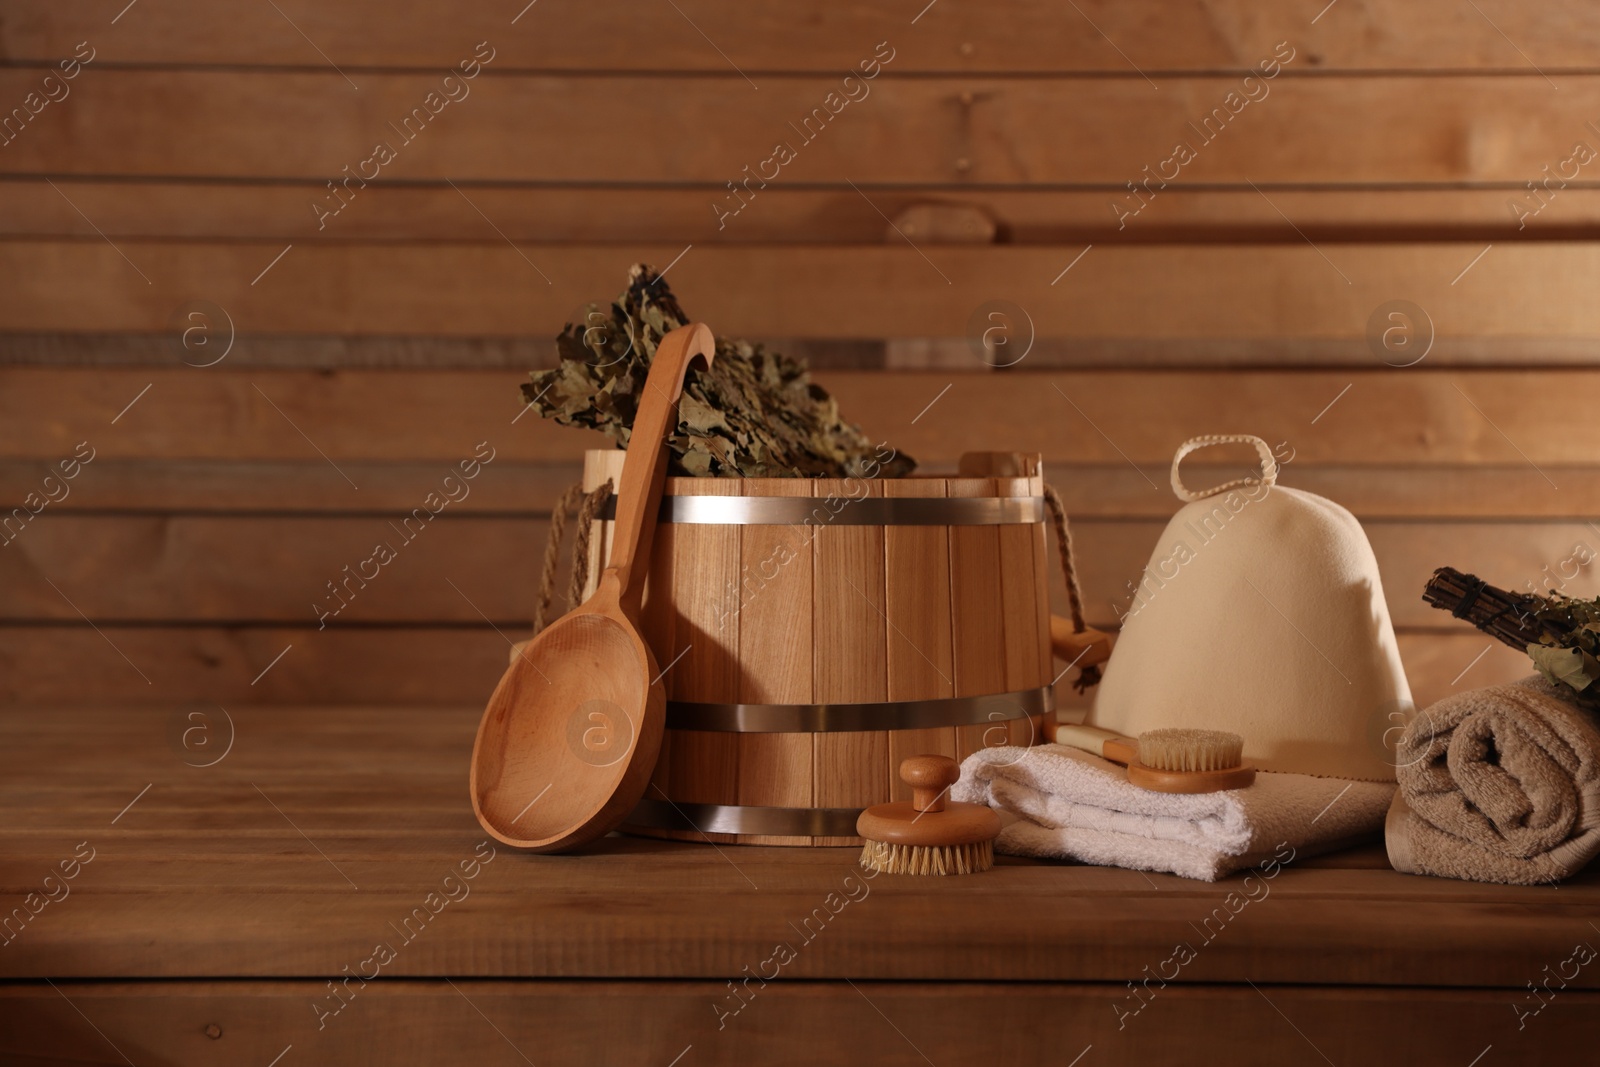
[(644, 471)]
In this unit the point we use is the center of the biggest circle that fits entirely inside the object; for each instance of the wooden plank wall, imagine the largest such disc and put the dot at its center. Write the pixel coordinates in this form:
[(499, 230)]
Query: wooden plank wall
[(269, 386)]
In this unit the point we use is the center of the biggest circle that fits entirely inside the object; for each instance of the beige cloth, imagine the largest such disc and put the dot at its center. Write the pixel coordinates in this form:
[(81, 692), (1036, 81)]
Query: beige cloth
[(1261, 613), (1498, 785)]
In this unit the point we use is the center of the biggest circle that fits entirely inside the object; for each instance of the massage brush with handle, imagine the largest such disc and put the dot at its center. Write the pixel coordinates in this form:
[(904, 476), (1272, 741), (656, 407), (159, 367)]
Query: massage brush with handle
[(1168, 761)]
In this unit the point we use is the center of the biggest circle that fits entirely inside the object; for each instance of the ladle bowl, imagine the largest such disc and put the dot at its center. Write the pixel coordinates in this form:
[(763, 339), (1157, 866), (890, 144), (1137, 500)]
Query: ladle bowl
[(568, 742)]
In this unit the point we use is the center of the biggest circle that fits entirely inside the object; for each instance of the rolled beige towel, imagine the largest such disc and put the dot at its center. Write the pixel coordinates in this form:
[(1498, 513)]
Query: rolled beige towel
[(1497, 785)]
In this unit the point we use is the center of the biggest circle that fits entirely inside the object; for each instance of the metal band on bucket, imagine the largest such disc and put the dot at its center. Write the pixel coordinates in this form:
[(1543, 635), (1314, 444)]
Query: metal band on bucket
[(862, 511), (743, 819), (838, 718)]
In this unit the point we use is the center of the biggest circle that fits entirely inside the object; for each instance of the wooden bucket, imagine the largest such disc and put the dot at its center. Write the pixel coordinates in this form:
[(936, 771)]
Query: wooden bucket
[(815, 632)]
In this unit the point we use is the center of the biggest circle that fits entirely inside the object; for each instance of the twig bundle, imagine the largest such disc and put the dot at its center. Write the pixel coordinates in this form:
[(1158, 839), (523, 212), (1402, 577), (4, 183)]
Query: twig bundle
[(1507, 616), (755, 413), (1560, 634)]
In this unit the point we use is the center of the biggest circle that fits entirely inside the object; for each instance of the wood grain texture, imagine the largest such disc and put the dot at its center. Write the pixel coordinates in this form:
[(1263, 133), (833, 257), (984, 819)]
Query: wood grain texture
[(464, 569), (69, 665), (1024, 592), (162, 567), (896, 1024), (1394, 149), (850, 643), (1218, 291), (189, 568), (1387, 419), (977, 613), (917, 593), (234, 665), (577, 213), (704, 766), (759, 37), (310, 124), (510, 489), (260, 901), (330, 352), (325, 352), (775, 653), (1031, 731), (1021, 596), (291, 488)]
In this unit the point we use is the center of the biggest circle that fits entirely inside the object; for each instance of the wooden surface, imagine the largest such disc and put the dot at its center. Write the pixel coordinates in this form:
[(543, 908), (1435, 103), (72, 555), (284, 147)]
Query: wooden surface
[(237, 124), (1419, 153), (193, 209), (1520, 293), (289, 858), (1389, 418), (1383, 154), (899, 1024), (1190, 35), (202, 537)]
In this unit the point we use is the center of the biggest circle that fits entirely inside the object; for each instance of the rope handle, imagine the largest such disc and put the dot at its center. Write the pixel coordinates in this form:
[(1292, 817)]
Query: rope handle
[(1269, 464), (587, 504), (1090, 675), (1058, 516)]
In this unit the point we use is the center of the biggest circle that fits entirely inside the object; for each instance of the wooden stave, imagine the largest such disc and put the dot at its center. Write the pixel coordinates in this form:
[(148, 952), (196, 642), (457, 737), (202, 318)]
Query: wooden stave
[(689, 754)]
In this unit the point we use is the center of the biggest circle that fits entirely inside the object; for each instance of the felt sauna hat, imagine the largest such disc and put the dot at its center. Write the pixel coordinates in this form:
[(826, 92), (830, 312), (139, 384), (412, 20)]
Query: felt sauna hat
[(1260, 613)]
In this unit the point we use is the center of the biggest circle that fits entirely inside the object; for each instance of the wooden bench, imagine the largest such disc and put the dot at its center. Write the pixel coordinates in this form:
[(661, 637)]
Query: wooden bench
[(238, 913), (265, 389)]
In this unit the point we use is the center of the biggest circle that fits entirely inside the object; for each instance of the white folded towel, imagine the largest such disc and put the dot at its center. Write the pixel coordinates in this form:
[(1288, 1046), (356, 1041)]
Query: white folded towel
[(1067, 803)]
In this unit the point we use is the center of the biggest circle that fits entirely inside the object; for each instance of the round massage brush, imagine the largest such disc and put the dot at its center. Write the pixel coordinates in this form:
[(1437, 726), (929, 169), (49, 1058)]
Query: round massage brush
[(928, 834), (1169, 761)]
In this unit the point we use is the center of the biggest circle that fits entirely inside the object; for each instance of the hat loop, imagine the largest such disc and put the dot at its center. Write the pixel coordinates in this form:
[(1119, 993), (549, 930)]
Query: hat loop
[(1269, 464)]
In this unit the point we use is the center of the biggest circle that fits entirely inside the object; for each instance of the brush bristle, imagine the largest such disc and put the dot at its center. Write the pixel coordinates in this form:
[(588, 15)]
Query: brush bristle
[(921, 859), (1190, 750)]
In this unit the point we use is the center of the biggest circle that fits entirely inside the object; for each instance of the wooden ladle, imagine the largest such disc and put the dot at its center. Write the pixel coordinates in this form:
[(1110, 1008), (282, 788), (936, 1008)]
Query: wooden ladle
[(571, 734)]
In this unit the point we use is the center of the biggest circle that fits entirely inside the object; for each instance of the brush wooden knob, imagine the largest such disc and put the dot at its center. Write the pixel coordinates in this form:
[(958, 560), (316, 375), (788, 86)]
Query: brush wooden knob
[(929, 777), (928, 820)]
